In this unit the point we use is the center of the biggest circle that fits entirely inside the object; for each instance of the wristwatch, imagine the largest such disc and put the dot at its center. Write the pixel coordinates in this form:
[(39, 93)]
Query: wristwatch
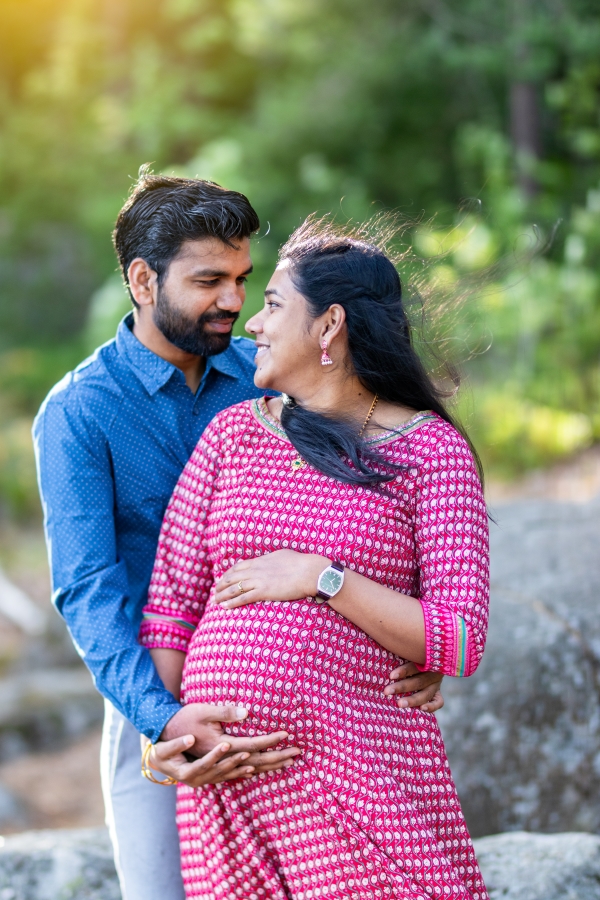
[(330, 582)]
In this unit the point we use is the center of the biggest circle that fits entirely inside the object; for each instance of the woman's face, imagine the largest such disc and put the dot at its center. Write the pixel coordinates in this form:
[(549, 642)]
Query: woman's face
[(288, 348)]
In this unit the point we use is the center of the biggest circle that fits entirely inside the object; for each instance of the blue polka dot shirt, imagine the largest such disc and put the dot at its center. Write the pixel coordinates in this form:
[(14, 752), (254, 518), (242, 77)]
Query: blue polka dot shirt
[(111, 440)]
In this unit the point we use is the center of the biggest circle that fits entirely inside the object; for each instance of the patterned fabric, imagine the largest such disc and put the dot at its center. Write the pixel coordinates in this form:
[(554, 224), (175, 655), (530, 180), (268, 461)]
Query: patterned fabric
[(111, 441), (370, 809)]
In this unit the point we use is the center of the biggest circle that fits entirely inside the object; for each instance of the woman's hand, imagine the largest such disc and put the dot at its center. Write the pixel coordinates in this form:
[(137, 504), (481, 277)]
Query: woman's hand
[(167, 757), (287, 575), (394, 620), (281, 575)]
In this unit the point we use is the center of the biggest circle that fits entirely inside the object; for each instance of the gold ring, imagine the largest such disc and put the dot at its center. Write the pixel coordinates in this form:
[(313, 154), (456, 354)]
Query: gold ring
[(241, 587), (146, 770)]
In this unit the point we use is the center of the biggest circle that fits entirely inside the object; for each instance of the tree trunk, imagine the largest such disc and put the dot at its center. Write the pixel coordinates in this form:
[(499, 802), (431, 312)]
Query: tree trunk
[(525, 129)]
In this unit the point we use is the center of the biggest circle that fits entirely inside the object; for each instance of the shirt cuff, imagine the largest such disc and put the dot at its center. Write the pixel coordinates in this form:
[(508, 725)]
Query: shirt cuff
[(153, 713)]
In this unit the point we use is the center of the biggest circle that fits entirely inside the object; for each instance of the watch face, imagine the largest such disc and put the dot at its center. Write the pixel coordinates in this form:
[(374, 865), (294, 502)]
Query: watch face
[(330, 581)]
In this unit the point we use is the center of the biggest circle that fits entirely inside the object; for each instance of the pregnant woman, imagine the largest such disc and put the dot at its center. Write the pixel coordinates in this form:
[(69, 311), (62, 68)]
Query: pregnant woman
[(314, 543)]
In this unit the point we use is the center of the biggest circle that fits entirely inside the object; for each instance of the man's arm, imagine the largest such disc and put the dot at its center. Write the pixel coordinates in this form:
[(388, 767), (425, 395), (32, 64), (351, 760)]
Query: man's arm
[(90, 584), (90, 590)]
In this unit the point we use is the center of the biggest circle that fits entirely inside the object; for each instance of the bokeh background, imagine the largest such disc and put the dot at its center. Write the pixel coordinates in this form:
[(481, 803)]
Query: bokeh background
[(478, 121)]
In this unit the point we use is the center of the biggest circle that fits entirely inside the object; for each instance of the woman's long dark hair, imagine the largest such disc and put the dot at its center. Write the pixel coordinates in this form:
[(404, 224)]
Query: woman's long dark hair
[(329, 266)]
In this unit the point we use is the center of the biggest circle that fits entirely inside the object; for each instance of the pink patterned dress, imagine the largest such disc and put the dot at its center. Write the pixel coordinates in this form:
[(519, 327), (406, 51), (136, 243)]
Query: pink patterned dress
[(369, 810)]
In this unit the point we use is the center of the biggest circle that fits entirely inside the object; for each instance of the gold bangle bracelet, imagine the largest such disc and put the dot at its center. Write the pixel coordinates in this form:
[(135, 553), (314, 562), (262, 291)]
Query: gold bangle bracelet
[(147, 771)]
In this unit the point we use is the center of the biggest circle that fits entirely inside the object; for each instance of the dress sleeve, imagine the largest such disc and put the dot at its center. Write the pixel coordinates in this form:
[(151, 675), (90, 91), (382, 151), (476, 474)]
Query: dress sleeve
[(182, 574), (452, 543)]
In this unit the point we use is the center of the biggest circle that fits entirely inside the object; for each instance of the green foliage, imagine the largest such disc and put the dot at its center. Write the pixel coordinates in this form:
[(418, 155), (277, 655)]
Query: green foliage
[(18, 486), (26, 376), (526, 316), (334, 106), (108, 305)]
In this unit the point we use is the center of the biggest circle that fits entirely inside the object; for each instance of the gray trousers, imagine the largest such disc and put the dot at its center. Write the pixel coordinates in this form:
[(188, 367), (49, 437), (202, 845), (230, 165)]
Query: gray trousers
[(140, 817)]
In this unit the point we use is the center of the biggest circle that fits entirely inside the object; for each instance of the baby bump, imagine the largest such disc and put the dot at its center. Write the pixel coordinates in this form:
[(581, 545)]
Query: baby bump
[(298, 667)]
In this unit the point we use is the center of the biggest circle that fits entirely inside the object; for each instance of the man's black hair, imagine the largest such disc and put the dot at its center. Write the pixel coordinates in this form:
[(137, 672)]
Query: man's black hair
[(163, 211)]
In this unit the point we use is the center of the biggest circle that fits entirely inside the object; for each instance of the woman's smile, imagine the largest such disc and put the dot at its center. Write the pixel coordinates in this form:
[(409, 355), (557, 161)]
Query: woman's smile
[(287, 350), (261, 349)]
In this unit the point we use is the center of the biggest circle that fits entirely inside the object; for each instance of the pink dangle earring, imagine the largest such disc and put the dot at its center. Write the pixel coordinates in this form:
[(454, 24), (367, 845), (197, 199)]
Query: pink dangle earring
[(326, 360)]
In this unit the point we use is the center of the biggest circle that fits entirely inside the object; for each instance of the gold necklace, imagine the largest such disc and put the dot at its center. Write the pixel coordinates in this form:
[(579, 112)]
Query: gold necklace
[(298, 463), (369, 414)]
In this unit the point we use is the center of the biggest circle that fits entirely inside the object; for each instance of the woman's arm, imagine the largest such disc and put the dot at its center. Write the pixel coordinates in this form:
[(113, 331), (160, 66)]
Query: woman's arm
[(178, 591), (169, 665), (394, 620), (442, 631), (180, 584)]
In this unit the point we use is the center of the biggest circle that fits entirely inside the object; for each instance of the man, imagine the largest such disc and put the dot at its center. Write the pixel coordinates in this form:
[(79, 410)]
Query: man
[(111, 440)]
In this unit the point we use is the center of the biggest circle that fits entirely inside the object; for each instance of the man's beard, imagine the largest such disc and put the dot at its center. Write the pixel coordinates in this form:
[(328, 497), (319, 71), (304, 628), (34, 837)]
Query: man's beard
[(187, 334)]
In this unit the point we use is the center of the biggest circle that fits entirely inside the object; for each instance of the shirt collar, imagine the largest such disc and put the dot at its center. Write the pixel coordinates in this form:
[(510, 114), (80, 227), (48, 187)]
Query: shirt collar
[(227, 363), (154, 371)]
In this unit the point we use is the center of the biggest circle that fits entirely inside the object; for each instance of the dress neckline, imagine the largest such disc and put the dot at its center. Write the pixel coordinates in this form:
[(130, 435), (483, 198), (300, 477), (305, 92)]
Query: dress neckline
[(262, 414)]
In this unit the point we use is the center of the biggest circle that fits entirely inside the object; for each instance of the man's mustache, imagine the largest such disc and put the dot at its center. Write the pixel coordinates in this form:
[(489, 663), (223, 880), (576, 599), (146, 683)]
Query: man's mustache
[(218, 317)]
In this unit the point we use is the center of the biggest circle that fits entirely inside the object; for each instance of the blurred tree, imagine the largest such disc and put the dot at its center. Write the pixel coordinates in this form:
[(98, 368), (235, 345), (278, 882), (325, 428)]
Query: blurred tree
[(118, 84), (325, 104), (327, 100)]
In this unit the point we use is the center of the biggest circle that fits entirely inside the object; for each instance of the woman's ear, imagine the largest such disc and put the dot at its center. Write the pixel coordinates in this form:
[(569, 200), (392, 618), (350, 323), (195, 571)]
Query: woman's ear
[(333, 323)]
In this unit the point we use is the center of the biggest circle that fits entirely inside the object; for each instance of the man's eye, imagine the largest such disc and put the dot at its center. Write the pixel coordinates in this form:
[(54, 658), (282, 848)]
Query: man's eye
[(211, 283), (242, 280)]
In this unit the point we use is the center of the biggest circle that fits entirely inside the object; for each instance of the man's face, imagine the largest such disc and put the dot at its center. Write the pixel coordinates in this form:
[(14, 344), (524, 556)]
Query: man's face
[(202, 295)]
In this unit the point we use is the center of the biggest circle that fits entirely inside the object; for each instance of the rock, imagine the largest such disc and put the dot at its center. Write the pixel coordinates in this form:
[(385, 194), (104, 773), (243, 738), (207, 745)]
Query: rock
[(521, 866), (523, 733), (43, 708), (12, 811), (17, 606), (78, 865), (58, 865)]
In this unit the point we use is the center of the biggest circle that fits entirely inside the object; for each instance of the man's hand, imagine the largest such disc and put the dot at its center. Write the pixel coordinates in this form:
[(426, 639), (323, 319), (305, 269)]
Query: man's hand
[(167, 757), (424, 688), (204, 722)]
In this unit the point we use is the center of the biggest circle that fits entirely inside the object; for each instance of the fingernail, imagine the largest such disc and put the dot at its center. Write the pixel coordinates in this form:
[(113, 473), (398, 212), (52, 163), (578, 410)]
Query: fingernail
[(387, 691), (240, 712), (244, 756), (249, 770), (189, 739), (288, 763), (403, 704), (225, 747)]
